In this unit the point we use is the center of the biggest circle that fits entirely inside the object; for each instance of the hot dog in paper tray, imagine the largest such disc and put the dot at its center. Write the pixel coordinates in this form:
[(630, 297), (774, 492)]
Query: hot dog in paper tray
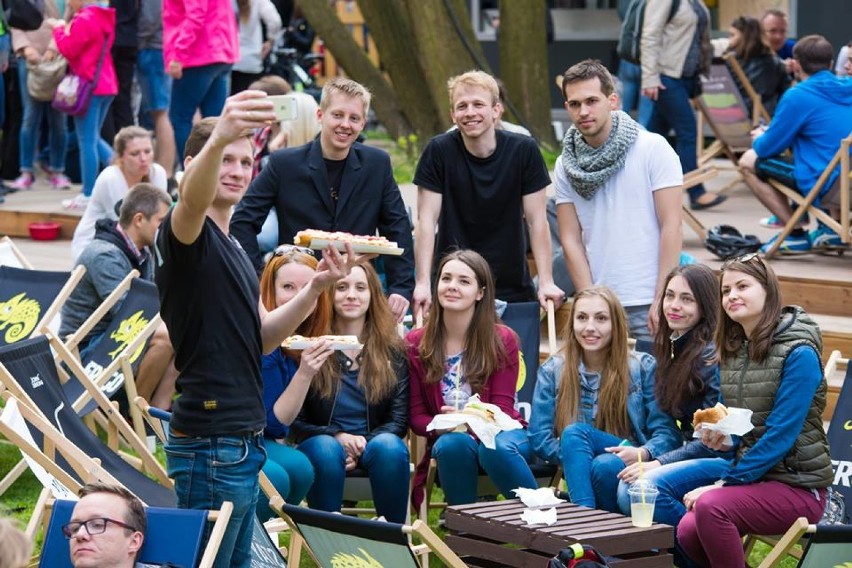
[(484, 420)]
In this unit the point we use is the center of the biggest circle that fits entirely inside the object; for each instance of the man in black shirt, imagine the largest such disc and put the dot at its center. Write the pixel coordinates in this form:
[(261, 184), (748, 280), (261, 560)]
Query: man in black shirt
[(477, 185), (210, 303)]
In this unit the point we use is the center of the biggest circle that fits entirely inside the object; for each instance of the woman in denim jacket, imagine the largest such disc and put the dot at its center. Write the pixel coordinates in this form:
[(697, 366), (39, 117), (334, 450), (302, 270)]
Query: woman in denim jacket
[(609, 414)]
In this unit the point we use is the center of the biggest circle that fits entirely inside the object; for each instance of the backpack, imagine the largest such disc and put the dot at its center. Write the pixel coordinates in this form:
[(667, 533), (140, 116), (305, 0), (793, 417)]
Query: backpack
[(630, 38)]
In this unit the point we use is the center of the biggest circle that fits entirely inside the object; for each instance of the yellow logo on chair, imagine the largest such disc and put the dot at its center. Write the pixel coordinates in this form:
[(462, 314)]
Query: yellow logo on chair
[(342, 560), (522, 371), (126, 333), (19, 316)]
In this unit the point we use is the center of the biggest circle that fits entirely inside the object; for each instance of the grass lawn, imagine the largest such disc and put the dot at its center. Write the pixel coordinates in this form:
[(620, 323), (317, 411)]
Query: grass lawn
[(18, 502)]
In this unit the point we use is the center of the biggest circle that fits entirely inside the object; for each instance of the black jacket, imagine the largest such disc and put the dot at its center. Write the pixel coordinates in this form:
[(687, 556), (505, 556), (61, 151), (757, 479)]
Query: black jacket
[(389, 415), (295, 182)]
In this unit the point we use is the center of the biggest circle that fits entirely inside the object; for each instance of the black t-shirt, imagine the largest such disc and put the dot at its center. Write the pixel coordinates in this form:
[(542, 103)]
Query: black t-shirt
[(482, 203), (209, 300), (334, 172)]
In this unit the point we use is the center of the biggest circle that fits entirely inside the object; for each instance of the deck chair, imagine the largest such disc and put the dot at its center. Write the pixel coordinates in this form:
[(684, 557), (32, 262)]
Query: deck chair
[(836, 196), (840, 442), (721, 106), (29, 372), (525, 319), (758, 111), (265, 553), (113, 362), (827, 545), (11, 255), (173, 535), (338, 540), (30, 299)]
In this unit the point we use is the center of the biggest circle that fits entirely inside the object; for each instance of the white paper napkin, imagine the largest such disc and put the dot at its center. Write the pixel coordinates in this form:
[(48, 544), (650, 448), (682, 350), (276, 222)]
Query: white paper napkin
[(537, 498), (539, 516), (485, 430), (736, 423)]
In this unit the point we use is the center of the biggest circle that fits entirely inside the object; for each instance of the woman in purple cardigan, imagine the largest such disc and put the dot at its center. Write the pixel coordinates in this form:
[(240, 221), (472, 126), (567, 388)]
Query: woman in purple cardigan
[(460, 352)]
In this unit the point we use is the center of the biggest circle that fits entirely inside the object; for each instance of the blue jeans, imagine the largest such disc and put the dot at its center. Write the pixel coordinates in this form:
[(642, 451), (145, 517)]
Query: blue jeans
[(290, 472), (31, 127), (637, 322), (590, 472), (204, 88), (94, 151), (209, 471), (675, 480), (673, 110), (386, 461), (459, 456), (630, 75)]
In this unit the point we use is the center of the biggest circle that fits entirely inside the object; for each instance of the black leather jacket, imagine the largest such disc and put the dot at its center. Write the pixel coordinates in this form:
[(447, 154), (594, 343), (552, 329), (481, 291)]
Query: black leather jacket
[(389, 415)]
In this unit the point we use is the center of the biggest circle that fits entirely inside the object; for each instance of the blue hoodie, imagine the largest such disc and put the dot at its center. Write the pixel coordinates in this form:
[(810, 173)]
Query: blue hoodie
[(812, 118)]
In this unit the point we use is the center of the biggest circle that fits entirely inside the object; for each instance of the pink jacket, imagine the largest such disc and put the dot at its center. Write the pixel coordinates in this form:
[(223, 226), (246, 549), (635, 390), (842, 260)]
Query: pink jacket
[(90, 28), (200, 32)]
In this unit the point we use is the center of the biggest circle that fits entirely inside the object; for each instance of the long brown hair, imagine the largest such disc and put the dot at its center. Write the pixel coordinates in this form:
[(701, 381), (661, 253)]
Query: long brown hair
[(615, 376), (730, 335), (484, 352), (679, 379), (382, 348), (752, 43), (319, 321)]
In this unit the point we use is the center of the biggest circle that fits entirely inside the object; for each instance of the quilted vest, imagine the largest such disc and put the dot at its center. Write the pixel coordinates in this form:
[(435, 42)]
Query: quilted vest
[(748, 384)]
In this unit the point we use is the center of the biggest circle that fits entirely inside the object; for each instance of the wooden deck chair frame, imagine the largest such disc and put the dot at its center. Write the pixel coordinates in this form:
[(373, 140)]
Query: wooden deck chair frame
[(691, 179), (117, 427), (7, 244), (430, 541), (805, 203), (219, 519), (484, 483)]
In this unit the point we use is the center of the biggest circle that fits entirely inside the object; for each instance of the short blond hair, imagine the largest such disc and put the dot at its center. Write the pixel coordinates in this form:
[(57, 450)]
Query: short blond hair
[(475, 78), (348, 88), (16, 549)]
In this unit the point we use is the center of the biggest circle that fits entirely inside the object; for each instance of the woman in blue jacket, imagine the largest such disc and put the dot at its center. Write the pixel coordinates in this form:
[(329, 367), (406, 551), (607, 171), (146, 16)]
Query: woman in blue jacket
[(594, 409), (355, 414)]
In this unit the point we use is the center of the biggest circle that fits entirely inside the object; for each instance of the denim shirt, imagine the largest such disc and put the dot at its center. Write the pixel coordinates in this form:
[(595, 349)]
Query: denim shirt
[(652, 428)]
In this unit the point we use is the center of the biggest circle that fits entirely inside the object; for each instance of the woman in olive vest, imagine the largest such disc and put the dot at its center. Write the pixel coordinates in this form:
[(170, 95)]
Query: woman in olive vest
[(769, 362)]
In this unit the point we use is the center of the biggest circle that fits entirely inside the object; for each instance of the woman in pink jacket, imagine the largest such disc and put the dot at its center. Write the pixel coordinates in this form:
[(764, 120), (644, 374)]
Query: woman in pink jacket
[(81, 41), (200, 45)]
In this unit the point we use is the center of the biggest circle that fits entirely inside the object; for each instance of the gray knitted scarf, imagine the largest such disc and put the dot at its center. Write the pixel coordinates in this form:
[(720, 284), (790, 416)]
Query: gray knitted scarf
[(587, 168)]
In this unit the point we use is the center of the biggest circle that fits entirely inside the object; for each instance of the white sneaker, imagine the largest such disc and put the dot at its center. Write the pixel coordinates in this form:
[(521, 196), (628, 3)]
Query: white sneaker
[(79, 202)]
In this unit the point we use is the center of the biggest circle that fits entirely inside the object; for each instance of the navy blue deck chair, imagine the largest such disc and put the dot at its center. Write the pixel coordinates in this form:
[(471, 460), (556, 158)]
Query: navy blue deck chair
[(28, 370), (338, 540), (29, 299), (113, 362), (840, 442), (173, 535)]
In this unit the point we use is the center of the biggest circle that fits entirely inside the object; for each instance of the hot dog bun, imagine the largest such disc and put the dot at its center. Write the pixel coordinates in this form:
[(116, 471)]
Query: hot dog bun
[(710, 415), (478, 410)]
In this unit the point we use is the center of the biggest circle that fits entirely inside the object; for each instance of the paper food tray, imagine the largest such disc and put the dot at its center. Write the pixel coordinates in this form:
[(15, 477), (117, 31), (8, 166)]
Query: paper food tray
[(337, 346), (319, 244)]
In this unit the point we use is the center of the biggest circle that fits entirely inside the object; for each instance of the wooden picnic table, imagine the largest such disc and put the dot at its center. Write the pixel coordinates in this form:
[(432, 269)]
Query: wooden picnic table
[(480, 532)]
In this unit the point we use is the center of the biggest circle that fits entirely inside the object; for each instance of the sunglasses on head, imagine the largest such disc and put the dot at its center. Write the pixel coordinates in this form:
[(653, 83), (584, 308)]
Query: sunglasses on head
[(741, 259), (290, 250)]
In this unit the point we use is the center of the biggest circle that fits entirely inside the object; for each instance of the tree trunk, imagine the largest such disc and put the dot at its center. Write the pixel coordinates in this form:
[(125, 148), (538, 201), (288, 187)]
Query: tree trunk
[(391, 28), (523, 65), (446, 46), (358, 66)]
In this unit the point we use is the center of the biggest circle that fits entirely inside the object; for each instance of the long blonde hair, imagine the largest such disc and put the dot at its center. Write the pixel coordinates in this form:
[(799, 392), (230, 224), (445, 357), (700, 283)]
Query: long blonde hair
[(615, 376), (382, 348), (16, 549), (244, 9), (306, 126)]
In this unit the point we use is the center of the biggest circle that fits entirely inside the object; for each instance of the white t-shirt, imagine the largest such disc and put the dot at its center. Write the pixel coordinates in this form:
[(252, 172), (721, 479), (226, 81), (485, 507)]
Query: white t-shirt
[(621, 232), (110, 188)]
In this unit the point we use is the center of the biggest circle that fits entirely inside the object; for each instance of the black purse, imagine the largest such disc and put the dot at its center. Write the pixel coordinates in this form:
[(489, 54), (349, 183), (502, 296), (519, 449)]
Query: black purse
[(25, 15)]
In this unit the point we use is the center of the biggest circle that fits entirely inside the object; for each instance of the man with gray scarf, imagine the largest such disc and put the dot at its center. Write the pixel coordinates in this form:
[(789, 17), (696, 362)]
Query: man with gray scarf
[(618, 196)]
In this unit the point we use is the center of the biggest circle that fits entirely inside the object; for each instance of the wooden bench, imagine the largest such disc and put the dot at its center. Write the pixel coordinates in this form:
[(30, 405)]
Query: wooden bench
[(480, 532)]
